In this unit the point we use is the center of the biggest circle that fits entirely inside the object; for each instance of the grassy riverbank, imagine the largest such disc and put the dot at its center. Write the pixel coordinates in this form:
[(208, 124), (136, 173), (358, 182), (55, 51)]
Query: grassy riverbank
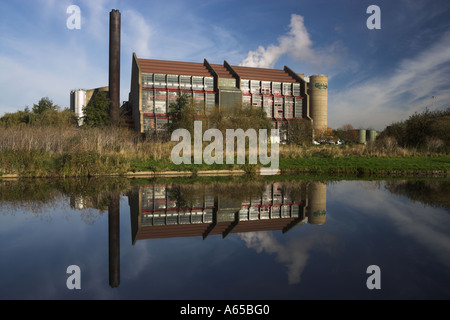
[(63, 152)]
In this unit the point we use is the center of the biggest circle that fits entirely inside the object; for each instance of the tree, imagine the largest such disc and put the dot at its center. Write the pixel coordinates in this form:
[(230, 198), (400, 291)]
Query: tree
[(52, 117), (397, 131), (42, 113), (325, 134), (349, 134), (96, 113), (299, 132), (182, 114), (185, 111), (43, 105), (239, 117), (423, 130)]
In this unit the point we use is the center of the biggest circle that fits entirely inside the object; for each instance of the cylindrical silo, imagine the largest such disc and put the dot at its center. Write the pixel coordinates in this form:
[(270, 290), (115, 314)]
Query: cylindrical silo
[(372, 135), (318, 109), (362, 136), (78, 101), (317, 203)]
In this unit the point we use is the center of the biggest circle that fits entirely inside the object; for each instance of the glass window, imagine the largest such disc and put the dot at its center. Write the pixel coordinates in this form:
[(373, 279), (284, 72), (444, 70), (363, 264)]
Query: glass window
[(208, 216), (172, 81), (296, 89), (197, 83), (210, 101), (255, 86), (161, 124), (199, 99), (160, 101), (172, 96), (209, 200), (148, 101), (245, 86), (278, 107), (209, 83), (147, 197), (160, 80), (268, 106), (243, 214), (287, 89), (185, 82), (147, 79), (256, 101), (276, 88), (289, 108), (275, 212), (298, 110), (265, 87), (149, 124), (253, 213)]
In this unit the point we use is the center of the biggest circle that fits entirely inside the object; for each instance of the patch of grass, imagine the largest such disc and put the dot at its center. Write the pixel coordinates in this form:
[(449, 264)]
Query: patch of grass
[(366, 165)]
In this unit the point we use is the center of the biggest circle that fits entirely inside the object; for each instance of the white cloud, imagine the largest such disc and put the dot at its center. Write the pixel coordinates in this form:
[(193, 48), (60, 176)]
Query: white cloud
[(136, 33), (95, 18), (379, 101), (297, 44)]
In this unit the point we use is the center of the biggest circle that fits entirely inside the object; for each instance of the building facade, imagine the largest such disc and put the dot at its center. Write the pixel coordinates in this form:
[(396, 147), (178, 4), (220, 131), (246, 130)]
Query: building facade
[(282, 94)]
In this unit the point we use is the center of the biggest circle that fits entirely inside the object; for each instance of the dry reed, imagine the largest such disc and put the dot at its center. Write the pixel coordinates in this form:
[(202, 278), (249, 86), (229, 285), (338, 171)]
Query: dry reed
[(103, 141)]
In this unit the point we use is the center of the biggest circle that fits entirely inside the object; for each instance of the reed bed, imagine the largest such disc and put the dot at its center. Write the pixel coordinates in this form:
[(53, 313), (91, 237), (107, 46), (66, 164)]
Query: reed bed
[(43, 150), (55, 151), (104, 141)]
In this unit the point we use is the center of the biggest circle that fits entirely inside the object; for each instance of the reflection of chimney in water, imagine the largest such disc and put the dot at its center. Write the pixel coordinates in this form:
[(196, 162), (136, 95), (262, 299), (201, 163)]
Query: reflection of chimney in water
[(317, 202), (114, 240), (114, 66)]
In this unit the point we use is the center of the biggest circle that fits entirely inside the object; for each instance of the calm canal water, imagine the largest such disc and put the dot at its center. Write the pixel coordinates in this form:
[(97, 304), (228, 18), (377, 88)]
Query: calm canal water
[(233, 239)]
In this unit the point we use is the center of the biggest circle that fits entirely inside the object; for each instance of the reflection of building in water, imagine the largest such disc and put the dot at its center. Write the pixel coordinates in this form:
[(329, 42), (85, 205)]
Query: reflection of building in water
[(162, 211), (80, 202), (77, 202), (317, 208)]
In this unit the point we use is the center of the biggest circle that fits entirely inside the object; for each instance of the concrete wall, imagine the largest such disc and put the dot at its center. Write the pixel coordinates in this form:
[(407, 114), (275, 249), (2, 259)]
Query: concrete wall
[(92, 92), (229, 95), (135, 95)]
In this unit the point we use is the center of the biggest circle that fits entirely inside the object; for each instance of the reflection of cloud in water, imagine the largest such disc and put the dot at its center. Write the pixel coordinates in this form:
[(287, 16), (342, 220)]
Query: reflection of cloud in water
[(294, 255), (141, 257), (424, 224)]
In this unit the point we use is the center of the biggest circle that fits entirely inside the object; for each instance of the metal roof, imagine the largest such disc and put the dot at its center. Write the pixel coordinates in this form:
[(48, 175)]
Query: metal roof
[(274, 75), (173, 67), (199, 69), (221, 71)]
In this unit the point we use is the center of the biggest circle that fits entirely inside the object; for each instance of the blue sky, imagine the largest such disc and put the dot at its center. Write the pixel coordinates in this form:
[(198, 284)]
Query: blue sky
[(376, 76)]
